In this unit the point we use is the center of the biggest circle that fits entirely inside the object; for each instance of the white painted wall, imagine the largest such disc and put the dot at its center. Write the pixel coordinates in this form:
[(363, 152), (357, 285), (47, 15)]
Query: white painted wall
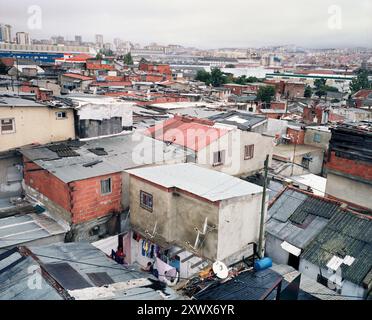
[(233, 143), (238, 225)]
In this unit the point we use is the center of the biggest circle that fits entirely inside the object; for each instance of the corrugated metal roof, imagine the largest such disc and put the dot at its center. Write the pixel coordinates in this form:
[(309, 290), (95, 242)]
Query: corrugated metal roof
[(84, 259), (14, 281), (297, 217), (123, 152), (206, 183), (346, 234), (246, 286), (244, 121), (20, 229)]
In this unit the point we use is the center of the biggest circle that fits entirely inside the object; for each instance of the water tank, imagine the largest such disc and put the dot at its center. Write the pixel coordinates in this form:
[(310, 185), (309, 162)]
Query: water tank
[(263, 264)]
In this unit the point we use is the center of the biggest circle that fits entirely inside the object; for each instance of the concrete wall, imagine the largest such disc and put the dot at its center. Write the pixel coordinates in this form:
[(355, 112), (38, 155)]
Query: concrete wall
[(233, 143), (144, 219), (96, 128), (324, 138), (232, 224), (275, 126), (349, 190), (10, 176), (35, 125), (176, 215), (347, 288), (274, 250), (239, 224), (316, 164)]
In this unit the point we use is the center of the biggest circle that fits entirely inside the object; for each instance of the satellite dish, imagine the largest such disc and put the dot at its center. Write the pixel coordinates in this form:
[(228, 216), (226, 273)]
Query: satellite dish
[(220, 269)]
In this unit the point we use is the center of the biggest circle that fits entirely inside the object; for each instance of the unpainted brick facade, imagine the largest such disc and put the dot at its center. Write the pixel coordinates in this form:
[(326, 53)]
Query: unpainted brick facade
[(83, 198)]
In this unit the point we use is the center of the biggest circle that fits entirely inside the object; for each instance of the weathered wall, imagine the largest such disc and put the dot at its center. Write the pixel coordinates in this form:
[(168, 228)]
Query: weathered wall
[(47, 184), (274, 250), (10, 176), (144, 219), (87, 201), (36, 125), (190, 213), (96, 128), (233, 143), (324, 138), (239, 224), (83, 199), (175, 214), (349, 190)]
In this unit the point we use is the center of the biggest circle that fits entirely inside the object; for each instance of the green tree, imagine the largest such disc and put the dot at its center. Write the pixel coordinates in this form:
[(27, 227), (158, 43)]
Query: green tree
[(240, 80), (360, 82), (217, 77), (319, 83), (203, 76), (321, 93), (252, 79), (308, 92), (266, 94), (3, 68), (99, 56), (128, 60)]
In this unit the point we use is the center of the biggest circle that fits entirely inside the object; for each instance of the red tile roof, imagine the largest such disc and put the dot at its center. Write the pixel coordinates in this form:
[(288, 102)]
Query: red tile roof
[(77, 76), (364, 93), (189, 132), (97, 66), (112, 84)]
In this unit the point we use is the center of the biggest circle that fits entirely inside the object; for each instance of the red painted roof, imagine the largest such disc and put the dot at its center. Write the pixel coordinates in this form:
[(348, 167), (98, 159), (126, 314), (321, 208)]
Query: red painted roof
[(189, 132), (77, 76), (364, 93)]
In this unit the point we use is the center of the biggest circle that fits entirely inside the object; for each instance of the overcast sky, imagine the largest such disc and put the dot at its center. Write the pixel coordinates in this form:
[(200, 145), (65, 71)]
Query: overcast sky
[(201, 23)]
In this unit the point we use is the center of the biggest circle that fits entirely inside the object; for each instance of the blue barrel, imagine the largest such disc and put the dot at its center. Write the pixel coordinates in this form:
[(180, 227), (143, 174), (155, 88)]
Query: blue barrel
[(263, 264)]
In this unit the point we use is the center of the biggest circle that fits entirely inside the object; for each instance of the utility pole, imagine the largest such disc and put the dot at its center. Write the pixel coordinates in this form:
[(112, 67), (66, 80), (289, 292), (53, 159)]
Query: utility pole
[(294, 154), (263, 205)]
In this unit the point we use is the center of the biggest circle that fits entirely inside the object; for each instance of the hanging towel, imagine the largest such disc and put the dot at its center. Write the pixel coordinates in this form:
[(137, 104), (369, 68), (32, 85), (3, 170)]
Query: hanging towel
[(163, 268)]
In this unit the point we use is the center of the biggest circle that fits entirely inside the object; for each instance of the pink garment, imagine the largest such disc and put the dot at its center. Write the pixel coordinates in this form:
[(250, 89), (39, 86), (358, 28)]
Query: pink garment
[(164, 267)]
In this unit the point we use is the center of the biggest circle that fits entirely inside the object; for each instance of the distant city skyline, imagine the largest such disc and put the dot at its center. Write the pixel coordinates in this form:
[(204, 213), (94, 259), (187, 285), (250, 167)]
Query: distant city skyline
[(201, 24)]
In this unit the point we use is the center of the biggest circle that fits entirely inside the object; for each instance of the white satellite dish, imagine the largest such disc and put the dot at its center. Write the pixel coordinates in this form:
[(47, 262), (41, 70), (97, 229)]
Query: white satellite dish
[(220, 269)]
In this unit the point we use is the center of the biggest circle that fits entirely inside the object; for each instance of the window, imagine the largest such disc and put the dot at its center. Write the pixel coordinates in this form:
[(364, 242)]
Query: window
[(61, 115), (7, 126), (317, 137), (218, 157), (146, 200), (306, 162), (106, 186), (248, 151)]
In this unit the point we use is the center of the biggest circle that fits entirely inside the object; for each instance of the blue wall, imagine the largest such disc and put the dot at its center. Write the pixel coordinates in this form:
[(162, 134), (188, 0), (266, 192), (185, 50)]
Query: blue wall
[(36, 56)]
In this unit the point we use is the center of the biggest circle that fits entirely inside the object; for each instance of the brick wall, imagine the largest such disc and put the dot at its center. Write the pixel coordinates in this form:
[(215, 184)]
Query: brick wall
[(296, 136), (87, 201), (353, 167), (47, 184), (83, 199)]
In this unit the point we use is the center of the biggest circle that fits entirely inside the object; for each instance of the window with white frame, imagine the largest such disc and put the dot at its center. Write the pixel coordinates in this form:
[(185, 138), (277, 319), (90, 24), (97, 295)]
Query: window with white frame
[(106, 186), (218, 157), (61, 115), (248, 151), (7, 126), (146, 200)]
